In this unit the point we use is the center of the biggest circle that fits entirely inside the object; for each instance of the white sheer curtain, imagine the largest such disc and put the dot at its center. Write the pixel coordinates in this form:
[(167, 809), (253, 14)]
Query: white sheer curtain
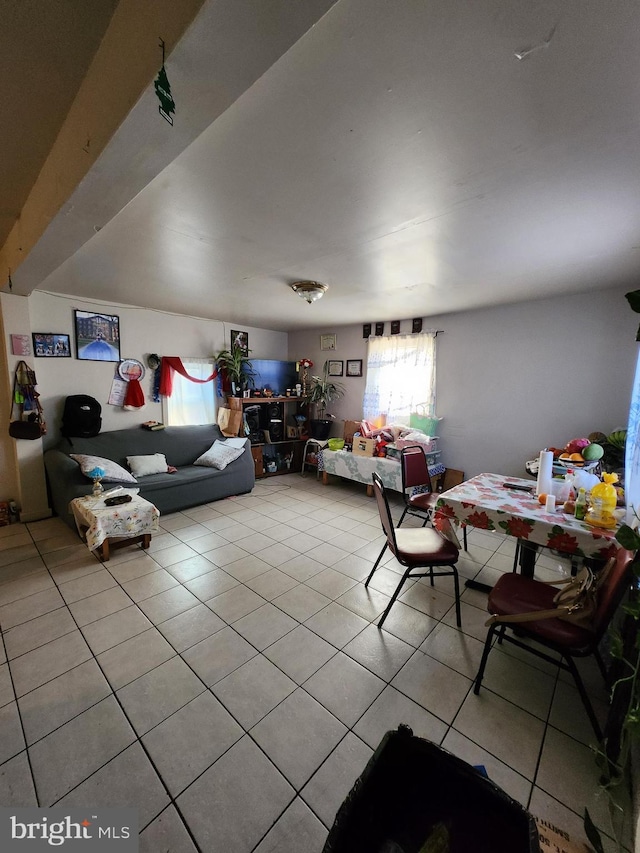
[(401, 373), (191, 402)]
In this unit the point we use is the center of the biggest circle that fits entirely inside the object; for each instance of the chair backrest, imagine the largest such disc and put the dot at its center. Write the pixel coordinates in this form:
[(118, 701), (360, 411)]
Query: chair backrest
[(414, 468), (612, 590), (385, 512)]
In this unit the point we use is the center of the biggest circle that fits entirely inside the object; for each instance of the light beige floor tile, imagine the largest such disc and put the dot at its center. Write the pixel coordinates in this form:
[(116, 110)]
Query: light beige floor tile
[(16, 783), (254, 689), (454, 648), (83, 587), (173, 554), (136, 567), (301, 568), (115, 628), (29, 608), (277, 554), (330, 785), (58, 701), (303, 542), (189, 741), (225, 554), (206, 542), (364, 601), (15, 590), (381, 652), (211, 584), (433, 685), (16, 571), (264, 626), (300, 653), (568, 714), (331, 583), (336, 624), (148, 585), (131, 659), (98, 606), (191, 532), (345, 688), (297, 829), (298, 735), (192, 567), (235, 603), (166, 832), (127, 779), (66, 757), (353, 566), (328, 554), (169, 603), (241, 776), (14, 537), (46, 662), (11, 737), (271, 584), (17, 553), (188, 628), (154, 696), (6, 687), (246, 568), (30, 635), (392, 708), (408, 624), (68, 554), (515, 680), (435, 601), (218, 655), (503, 729), (255, 541)]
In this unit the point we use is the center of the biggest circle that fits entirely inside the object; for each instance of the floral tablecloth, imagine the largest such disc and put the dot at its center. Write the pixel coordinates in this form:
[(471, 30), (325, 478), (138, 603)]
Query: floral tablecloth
[(135, 518), (484, 503), (360, 468)]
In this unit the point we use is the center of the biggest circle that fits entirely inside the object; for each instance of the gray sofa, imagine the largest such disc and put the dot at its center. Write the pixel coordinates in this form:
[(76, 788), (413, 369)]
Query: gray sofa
[(182, 445)]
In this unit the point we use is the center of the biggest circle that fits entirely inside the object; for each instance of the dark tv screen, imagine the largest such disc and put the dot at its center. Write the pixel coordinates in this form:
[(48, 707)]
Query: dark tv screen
[(275, 375)]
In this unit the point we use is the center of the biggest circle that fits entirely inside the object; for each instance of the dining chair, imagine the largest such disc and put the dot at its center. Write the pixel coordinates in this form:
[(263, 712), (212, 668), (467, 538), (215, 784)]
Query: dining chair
[(415, 548), (515, 594), (415, 474)]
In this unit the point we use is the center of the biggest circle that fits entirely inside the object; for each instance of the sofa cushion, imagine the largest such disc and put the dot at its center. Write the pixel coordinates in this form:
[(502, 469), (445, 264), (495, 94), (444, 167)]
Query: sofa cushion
[(219, 455), (113, 473), (142, 466)]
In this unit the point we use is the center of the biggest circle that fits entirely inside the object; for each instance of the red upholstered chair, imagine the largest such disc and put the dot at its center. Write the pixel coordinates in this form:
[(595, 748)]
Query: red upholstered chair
[(415, 548), (415, 473), (514, 594)]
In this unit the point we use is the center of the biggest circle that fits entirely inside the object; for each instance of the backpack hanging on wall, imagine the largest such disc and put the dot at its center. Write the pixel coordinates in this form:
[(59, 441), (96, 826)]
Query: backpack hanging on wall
[(81, 416)]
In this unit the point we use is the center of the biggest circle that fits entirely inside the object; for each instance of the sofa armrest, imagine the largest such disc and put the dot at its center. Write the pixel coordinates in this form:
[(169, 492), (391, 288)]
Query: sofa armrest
[(65, 482)]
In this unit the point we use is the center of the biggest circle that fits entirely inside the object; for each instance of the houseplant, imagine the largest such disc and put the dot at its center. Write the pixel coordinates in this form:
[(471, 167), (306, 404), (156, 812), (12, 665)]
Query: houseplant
[(236, 366), (322, 392)]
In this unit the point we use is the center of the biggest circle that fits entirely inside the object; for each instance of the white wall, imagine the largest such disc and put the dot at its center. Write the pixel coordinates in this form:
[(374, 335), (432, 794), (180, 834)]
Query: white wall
[(514, 378)]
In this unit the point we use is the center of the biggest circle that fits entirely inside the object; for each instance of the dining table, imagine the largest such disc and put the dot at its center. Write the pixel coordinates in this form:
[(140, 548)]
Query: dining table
[(508, 505)]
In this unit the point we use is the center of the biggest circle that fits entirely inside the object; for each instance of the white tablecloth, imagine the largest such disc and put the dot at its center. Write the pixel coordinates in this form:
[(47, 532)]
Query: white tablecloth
[(135, 518)]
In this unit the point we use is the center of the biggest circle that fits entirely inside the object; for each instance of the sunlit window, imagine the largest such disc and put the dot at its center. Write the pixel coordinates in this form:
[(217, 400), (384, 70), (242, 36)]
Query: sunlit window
[(192, 402), (401, 376)]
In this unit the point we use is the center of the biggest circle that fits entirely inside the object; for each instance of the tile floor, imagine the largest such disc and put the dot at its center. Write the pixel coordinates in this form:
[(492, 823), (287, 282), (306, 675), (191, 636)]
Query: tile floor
[(231, 683)]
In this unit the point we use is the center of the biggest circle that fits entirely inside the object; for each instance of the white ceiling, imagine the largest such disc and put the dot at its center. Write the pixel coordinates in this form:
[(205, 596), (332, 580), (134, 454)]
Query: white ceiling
[(398, 152)]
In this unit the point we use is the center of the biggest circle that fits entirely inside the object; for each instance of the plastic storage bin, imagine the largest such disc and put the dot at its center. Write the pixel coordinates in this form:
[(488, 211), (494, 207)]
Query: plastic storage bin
[(409, 786)]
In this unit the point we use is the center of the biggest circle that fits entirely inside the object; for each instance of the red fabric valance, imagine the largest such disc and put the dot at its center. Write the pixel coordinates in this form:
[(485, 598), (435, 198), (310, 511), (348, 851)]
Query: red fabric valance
[(173, 362)]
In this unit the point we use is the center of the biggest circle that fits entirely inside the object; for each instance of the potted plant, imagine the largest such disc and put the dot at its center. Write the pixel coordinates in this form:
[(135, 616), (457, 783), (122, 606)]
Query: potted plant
[(236, 367), (322, 392)]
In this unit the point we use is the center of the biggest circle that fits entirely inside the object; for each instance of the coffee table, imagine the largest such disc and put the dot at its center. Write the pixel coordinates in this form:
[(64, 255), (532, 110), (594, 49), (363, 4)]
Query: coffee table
[(105, 528)]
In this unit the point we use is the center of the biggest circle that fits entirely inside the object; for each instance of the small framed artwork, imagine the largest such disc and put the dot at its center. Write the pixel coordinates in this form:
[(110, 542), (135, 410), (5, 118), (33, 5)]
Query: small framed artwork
[(395, 327), (20, 345), (416, 324), (354, 367), (379, 329), (335, 368), (51, 345), (328, 342), (97, 336), (366, 330), (240, 340)]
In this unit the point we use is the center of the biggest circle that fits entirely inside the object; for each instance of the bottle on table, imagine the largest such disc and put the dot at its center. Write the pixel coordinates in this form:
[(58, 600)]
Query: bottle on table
[(581, 504)]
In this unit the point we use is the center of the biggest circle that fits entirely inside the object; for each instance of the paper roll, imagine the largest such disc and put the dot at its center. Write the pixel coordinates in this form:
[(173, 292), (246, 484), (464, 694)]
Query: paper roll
[(545, 472)]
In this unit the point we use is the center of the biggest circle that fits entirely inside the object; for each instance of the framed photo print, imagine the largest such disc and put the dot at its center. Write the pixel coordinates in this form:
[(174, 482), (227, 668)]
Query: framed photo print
[(379, 329), (366, 330), (416, 325), (240, 340), (97, 336), (354, 367), (328, 342), (51, 345), (395, 327), (335, 368)]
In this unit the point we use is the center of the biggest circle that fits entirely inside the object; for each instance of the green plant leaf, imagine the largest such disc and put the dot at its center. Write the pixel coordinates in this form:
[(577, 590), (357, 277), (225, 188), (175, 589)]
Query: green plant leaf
[(628, 538), (592, 833), (616, 647)]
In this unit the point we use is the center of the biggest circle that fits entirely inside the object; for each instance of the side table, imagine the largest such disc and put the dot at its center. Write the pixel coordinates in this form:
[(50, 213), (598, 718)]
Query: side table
[(105, 528)]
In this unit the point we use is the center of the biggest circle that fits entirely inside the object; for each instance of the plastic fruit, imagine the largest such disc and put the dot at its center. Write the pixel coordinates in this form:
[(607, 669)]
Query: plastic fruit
[(618, 438), (566, 456), (593, 452), (542, 498), (576, 457), (576, 445), (569, 507)]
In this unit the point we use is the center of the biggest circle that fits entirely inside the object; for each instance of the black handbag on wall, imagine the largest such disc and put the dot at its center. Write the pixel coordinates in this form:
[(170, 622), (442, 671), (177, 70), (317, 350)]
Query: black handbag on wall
[(31, 423)]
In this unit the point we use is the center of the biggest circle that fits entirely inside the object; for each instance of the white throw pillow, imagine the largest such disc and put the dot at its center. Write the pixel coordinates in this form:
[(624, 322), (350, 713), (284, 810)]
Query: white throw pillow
[(113, 473), (235, 442), (143, 466), (219, 455)]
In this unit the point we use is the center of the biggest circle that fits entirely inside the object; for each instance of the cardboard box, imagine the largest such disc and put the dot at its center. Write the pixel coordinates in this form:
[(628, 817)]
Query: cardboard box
[(349, 428), (363, 446)]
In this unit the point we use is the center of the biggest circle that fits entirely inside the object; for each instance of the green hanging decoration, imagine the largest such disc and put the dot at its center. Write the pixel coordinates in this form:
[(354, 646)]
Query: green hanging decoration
[(163, 91)]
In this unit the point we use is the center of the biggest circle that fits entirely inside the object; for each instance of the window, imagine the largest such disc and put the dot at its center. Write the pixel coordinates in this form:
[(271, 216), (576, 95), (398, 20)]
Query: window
[(401, 374), (192, 402)]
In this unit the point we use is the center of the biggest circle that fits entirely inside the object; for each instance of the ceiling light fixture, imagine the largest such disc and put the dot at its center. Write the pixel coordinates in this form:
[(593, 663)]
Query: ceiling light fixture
[(311, 291)]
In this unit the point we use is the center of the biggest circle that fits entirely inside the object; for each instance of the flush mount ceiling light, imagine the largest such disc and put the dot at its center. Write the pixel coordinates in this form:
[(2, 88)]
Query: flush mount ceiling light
[(309, 290)]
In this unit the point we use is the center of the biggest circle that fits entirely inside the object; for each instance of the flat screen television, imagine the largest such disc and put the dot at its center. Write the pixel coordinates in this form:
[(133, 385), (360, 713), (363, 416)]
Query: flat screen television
[(275, 375)]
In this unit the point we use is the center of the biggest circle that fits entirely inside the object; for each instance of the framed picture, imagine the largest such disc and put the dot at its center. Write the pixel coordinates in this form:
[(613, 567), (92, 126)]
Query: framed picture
[(416, 324), (379, 329), (328, 342), (97, 336), (335, 368), (51, 345), (20, 345), (240, 340), (395, 327), (354, 367), (366, 330)]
